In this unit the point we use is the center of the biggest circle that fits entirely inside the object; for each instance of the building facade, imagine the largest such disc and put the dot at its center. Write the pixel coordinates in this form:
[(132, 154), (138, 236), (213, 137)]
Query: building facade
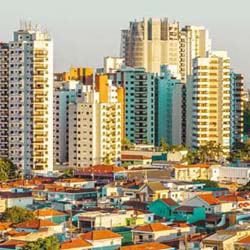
[(28, 65), (64, 93), (95, 129), (237, 108), (208, 101), (140, 90)]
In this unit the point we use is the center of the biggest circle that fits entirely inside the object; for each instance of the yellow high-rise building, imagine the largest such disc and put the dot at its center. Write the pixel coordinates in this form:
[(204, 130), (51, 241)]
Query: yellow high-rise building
[(85, 75), (208, 105)]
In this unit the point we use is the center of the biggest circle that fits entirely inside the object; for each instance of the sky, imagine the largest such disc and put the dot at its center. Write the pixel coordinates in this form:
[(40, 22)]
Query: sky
[(84, 31)]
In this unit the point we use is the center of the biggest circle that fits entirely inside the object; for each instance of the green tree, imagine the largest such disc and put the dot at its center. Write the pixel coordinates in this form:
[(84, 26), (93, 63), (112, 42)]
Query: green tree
[(48, 243), (17, 215), (68, 173), (126, 143), (190, 157), (107, 160), (8, 170), (163, 144)]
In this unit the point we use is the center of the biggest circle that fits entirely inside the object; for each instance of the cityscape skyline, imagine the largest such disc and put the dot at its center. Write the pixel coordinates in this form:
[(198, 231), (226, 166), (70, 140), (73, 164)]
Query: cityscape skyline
[(102, 41)]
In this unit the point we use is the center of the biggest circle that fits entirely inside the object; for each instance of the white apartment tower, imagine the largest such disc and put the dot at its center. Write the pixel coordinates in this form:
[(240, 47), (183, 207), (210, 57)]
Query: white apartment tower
[(95, 130), (4, 100), (29, 77), (194, 42), (64, 93), (208, 101)]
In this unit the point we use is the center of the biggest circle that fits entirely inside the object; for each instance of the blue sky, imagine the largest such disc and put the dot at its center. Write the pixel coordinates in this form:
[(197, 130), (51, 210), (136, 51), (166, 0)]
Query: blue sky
[(86, 31)]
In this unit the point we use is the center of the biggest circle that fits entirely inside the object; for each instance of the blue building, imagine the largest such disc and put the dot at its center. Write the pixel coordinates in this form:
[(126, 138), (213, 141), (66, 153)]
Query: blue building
[(140, 111), (169, 108), (236, 108)]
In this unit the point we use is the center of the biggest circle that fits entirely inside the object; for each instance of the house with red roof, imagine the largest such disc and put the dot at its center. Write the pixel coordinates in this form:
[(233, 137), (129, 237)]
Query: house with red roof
[(148, 246), (207, 201), (159, 232), (76, 244), (37, 225), (13, 244), (103, 239)]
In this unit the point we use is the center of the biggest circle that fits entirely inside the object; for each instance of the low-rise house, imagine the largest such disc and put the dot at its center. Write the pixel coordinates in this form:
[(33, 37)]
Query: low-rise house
[(242, 244), (13, 244), (70, 194), (102, 172), (158, 232), (134, 159), (221, 241), (10, 199), (98, 219), (77, 244), (240, 175), (148, 246), (189, 214), (76, 183), (192, 172), (52, 215), (163, 207), (193, 241), (36, 225), (146, 192), (207, 201), (103, 239)]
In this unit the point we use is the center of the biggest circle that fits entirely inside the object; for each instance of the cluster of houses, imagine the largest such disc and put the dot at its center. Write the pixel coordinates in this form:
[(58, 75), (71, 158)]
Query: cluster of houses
[(147, 205)]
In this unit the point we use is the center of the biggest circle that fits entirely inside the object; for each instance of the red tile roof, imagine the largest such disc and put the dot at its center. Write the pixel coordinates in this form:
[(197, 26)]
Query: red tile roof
[(101, 169), (70, 180), (245, 240), (169, 202), (11, 244), (193, 166), (154, 227), (135, 157), (5, 225), (48, 212), (209, 198), (36, 224), (75, 243), (100, 235), (146, 246), (231, 198)]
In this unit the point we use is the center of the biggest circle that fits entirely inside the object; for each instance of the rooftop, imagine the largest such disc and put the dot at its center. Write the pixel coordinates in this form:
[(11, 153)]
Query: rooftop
[(146, 246), (36, 224), (75, 243), (100, 235), (154, 227)]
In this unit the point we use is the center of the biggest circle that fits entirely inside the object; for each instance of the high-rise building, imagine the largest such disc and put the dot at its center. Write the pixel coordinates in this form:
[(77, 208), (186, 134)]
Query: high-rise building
[(85, 75), (208, 101), (237, 108), (27, 78), (194, 42), (140, 90), (95, 128), (169, 106), (4, 100), (150, 43), (112, 64), (64, 93)]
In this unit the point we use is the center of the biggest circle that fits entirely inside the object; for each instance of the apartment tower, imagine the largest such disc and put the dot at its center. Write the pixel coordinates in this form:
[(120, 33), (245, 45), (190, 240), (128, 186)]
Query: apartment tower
[(27, 78), (208, 101)]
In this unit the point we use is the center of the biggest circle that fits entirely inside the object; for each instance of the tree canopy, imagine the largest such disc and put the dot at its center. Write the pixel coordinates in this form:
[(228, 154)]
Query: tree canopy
[(8, 170), (45, 244), (208, 183), (17, 215)]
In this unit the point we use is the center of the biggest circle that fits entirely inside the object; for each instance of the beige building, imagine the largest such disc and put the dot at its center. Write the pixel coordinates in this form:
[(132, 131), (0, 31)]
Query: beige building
[(29, 87), (95, 130), (112, 64), (208, 101), (151, 43)]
